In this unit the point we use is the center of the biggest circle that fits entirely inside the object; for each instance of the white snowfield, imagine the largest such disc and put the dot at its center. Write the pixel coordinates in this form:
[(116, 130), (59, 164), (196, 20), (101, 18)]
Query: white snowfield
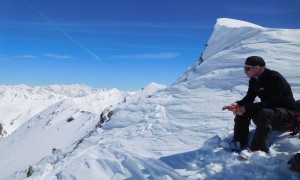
[(159, 132)]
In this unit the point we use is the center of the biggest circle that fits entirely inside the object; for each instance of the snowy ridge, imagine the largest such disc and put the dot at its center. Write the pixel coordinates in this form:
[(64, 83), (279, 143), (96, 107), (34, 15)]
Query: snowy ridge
[(74, 114), (20, 103), (174, 133)]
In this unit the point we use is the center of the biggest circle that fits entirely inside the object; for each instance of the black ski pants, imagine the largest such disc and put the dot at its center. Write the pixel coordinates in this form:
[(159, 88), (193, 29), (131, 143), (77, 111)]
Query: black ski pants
[(265, 120)]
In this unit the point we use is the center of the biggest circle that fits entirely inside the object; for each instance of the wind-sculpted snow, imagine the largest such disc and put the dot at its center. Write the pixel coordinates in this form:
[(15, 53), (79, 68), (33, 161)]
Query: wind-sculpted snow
[(174, 132)]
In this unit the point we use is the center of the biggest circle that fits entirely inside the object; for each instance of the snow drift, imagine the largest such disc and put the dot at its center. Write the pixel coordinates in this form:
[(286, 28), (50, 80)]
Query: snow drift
[(173, 133)]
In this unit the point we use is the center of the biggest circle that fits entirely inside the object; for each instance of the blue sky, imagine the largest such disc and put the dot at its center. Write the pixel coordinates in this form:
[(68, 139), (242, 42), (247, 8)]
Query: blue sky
[(122, 44)]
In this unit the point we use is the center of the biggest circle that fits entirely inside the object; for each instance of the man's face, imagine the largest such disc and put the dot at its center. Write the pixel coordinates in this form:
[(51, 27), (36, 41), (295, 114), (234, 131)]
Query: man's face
[(250, 71)]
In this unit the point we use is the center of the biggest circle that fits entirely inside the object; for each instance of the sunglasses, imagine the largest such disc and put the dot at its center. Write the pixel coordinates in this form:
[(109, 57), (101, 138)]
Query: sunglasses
[(248, 68)]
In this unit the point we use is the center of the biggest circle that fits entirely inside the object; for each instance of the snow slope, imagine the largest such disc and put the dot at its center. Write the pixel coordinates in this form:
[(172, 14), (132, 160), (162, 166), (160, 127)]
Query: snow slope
[(73, 115), (174, 133), (20, 103)]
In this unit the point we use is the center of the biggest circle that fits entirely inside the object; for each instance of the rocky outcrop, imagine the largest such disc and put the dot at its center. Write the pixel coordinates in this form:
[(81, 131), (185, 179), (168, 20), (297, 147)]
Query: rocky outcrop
[(104, 117)]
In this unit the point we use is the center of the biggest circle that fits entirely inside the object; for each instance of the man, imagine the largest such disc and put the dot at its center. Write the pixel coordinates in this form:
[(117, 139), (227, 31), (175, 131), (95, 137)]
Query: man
[(276, 109)]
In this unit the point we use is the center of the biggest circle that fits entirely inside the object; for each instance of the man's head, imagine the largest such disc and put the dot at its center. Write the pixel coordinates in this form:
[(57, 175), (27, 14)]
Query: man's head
[(255, 61), (254, 66)]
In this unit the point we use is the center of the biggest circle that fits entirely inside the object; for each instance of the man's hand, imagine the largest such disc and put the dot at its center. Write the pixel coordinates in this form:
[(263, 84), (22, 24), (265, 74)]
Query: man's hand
[(232, 107)]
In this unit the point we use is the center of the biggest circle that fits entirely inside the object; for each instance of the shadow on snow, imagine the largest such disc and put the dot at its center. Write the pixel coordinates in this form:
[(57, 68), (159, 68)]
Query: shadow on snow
[(213, 162)]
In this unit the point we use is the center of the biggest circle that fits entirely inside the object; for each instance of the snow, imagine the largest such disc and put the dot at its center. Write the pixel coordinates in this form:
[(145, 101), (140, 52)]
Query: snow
[(158, 132), (234, 23), (20, 103)]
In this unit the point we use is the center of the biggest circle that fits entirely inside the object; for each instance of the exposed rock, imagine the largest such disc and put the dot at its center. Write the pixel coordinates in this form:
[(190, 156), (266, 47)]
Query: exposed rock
[(105, 115), (30, 171), (70, 119)]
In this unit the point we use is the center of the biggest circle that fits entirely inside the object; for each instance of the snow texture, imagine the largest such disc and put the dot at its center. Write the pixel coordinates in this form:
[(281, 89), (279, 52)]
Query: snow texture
[(158, 132)]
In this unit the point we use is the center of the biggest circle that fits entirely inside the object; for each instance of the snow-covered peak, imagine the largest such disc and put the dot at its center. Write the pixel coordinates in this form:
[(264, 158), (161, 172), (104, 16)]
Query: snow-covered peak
[(146, 92), (153, 87), (58, 90), (232, 41), (76, 90), (233, 23)]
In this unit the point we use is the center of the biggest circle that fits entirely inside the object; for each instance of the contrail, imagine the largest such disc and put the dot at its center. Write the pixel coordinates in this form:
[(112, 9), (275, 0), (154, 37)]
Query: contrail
[(64, 33)]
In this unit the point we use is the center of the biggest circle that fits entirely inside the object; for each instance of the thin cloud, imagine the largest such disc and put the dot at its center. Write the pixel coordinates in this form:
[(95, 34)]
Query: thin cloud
[(27, 56), (15, 57), (168, 55), (112, 28), (59, 56), (122, 47)]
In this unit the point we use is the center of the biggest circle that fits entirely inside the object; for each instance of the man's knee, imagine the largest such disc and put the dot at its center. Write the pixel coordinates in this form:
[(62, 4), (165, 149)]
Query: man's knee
[(264, 118)]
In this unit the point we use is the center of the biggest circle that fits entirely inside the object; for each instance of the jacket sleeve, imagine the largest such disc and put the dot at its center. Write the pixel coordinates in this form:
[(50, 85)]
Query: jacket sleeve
[(251, 94)]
